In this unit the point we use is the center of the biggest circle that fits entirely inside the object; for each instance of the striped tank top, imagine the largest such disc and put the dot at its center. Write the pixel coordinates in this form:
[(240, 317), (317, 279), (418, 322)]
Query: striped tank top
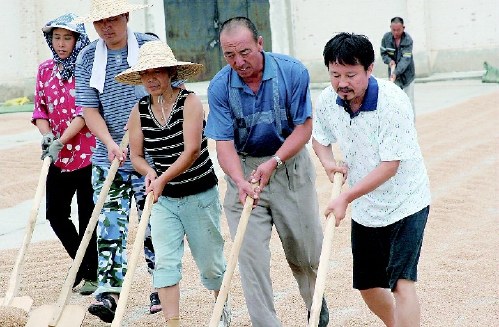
[(165, 144)]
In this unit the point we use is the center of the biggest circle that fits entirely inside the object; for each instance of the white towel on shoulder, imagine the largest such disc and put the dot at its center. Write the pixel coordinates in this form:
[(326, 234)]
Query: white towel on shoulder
[(98, 77)]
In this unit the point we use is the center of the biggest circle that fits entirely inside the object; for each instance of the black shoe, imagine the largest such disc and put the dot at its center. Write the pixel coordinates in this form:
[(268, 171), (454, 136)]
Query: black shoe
[(106, 310), (324, 315), (154, 297)]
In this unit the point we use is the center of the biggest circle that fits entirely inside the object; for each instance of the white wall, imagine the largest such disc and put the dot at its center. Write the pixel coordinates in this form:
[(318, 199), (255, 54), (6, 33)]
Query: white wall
[(24, 46), (449, 35), (464, 35)]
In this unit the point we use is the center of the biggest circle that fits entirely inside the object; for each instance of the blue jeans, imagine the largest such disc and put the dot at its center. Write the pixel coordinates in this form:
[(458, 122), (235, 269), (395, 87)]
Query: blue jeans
[(198, 218)]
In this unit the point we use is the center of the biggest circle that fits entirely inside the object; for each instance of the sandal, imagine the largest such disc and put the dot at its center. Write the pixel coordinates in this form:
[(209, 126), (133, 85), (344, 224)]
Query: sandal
[(154, 297), (106, 310)]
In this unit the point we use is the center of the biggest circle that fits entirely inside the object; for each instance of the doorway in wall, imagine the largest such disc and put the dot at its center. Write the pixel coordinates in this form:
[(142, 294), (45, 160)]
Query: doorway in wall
[(192, 28)]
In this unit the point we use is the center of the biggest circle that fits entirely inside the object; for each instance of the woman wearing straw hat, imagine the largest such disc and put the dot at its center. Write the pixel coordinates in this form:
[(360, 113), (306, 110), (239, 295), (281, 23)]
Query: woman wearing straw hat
[(107, 105), (68, 141), (169, 124)]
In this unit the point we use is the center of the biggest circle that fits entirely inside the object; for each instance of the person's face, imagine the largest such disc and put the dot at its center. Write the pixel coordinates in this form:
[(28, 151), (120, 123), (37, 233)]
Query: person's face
[(63, 42), (156, 80), (113, 31), (241, 51), (349, 82), (397, 30)]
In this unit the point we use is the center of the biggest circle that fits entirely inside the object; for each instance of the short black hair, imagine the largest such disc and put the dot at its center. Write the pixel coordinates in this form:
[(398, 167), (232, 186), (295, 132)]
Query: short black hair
[(349, 49), (233, 22), (396, 20)]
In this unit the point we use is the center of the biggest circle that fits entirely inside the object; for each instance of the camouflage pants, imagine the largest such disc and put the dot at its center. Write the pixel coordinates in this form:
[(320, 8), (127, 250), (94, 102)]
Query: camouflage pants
[(112, 227)]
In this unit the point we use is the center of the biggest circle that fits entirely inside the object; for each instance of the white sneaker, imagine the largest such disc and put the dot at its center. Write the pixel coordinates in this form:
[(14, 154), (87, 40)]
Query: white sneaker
[(226, 314)]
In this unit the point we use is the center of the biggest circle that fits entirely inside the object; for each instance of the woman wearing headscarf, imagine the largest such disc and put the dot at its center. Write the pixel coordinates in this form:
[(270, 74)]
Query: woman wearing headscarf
[(67, 141)]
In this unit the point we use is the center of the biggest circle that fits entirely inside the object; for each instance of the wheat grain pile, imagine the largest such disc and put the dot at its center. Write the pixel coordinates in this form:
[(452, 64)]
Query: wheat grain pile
[(458, 275)]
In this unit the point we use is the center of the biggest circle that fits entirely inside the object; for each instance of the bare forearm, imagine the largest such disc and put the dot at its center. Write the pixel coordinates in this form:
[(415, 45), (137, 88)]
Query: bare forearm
[(379, 175), (183, 162), (296, 141), (97, 125), (76, 125), (229, 161), (324, 153), (43, 126), (140, 164)]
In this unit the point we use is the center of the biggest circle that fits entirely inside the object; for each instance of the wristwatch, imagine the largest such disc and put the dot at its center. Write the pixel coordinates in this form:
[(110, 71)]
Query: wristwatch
[(279, 161)]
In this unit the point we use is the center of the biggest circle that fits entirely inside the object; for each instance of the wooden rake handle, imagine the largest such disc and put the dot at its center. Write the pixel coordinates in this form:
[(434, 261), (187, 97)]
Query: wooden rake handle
[(70, 278), (15, 277), (132, 263), (234, 254), (320, 284)]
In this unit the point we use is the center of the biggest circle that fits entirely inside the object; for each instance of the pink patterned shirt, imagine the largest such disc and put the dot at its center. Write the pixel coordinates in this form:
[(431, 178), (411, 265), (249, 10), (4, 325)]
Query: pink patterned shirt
[(55, 101)]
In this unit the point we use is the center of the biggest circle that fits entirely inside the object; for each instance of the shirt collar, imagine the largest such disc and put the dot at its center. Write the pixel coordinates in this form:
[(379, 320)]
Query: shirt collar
[(268, 72), (370, 99)]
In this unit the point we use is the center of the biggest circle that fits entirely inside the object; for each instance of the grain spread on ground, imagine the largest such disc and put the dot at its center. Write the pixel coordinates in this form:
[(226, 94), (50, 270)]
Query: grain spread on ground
[(458, 275)]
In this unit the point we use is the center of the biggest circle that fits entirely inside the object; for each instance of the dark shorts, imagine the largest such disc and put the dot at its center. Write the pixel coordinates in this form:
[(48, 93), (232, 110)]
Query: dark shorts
[(383, 255)]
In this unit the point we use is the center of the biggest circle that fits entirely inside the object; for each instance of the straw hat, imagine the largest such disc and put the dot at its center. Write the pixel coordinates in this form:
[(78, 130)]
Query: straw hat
[(156, 54), (102, 9)]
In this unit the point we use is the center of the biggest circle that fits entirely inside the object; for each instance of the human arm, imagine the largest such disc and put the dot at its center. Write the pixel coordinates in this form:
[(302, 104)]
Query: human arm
[(291, 146), (98, 127), (74, 128), (137, 155), (40, 117), (379, 175), (193, 134), (405, 48), (47, 136), (220, 127), (88, 100), (231, 165), (58, 144), (43, 126), (387, 49), (298, 108), (326, 157)]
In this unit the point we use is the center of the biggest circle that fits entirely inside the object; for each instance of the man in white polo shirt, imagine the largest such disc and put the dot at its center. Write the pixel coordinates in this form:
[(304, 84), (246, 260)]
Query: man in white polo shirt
[(372, 120)]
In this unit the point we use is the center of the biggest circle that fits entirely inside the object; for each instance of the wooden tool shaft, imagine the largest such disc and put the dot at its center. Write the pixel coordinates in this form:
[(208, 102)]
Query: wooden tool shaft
[(15, 277), (234, 254), (327, 242), (132, 263), (70, 278)]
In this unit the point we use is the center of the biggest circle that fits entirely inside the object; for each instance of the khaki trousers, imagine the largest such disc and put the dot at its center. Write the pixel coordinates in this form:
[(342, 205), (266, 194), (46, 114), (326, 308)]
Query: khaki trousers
[(288, 202)]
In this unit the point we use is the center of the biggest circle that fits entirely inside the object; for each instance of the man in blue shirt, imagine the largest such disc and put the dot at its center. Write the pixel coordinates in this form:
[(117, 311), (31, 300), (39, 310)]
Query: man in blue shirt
[(261, 119)]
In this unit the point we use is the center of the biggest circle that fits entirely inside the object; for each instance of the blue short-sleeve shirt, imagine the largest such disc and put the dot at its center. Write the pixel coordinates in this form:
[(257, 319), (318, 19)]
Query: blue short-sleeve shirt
[(266, 118), (117, 100)]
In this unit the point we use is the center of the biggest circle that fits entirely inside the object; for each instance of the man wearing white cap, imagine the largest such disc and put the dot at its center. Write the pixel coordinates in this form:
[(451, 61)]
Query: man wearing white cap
[(106, 107)]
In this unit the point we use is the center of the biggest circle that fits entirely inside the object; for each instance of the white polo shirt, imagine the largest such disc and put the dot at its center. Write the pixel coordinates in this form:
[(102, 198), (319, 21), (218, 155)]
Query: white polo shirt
[(382, 130)]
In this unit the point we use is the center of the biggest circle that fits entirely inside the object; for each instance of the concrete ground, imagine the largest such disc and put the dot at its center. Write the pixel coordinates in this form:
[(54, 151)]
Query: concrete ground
[(431, 94)]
